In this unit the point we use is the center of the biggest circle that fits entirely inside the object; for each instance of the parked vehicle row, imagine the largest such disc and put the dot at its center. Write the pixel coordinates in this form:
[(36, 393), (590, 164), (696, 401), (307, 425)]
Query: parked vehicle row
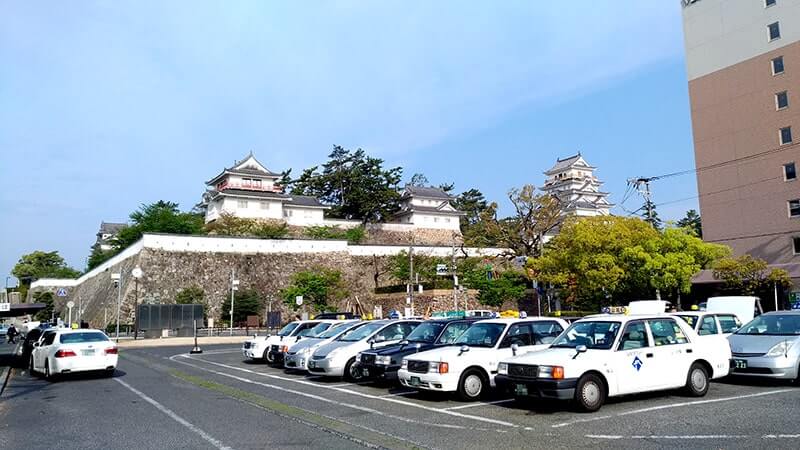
[(586, 362)]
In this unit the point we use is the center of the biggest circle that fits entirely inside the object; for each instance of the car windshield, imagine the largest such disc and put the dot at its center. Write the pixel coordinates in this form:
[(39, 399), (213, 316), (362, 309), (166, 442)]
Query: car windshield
[(773, 325), (315, 330), (691, 320), (361, 332), (85, 336), (335, 330), (285, 331), (481, 335), (425, 332), (597, 335)]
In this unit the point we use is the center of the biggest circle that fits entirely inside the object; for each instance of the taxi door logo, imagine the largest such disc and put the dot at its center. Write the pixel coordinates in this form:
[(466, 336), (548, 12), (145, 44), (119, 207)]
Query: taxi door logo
[(637, 363)]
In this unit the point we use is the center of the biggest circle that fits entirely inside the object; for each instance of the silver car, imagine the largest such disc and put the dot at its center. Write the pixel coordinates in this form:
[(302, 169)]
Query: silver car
[(768, 346)]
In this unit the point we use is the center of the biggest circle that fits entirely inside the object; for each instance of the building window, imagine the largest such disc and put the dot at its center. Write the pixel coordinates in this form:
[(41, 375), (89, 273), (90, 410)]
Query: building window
[(264, 205), (287, 213), (777, 65), (242, 204), (786, 135), (789, 172), (794, 208), (447, 220), (782, 100), (774, 30), (796, 245), (436, 219), (768, 3)]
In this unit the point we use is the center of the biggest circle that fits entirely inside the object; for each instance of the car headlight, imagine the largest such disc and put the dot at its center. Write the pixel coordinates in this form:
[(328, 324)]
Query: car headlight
[(358, 357), (554, 372), (404, 364), (438, 367), (780, 349), (502, 369), (383, 360)]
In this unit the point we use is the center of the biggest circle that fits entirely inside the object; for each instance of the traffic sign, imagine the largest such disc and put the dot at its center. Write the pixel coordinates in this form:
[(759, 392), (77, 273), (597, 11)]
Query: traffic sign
[(5, 307), (298, 300), (61, 292), (70, 304)]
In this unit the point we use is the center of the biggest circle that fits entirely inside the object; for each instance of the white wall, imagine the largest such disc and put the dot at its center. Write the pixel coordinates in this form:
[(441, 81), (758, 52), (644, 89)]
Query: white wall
[(721, 33), (303, 216), (435, 221), (253, 210)]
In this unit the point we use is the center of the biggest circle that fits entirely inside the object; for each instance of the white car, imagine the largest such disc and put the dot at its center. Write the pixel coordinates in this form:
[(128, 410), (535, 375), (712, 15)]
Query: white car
[(338, 358), (706, 323), (61, 351), (265, 348), (608, 356), (468, 365), (298, 354)]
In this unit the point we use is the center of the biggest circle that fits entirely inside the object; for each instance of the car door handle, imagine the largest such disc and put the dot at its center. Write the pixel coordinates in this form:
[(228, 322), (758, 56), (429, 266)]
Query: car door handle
[(649, 355), (688, 350)]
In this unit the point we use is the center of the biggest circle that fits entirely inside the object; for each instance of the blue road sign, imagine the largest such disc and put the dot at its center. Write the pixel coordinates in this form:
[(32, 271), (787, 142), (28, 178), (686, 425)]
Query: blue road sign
[(61, 292)]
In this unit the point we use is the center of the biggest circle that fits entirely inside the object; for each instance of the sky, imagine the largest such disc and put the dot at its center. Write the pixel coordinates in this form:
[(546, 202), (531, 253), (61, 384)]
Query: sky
[(105, 106)]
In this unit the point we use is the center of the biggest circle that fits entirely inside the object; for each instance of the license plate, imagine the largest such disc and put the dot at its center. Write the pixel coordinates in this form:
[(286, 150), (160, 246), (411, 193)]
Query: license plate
[(521, 389), (312, 364), (414, 381), (739, 364), (87, 352)]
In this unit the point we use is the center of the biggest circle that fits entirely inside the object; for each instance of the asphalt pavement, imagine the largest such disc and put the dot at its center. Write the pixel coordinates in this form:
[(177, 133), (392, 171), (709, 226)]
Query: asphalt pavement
[(165, 398)]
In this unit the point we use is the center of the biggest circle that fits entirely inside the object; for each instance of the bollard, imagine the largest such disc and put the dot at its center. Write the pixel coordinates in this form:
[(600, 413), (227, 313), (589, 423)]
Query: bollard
[(196, 348)]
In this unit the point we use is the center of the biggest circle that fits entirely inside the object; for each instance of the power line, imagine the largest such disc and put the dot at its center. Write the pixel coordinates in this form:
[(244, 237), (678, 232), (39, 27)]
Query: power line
[(778, 233), (719, 191)]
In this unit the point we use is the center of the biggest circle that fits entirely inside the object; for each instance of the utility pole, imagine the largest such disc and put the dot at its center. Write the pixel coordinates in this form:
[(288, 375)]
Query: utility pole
[(234, 282), (455, 277), (642, 185)]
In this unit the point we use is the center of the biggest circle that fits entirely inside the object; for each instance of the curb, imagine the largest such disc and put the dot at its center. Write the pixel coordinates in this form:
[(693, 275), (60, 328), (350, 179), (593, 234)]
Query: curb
[(5, 371)]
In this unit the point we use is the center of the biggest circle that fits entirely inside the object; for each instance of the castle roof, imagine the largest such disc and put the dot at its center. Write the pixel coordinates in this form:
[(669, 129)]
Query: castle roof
[(247, 166), (569, 162)]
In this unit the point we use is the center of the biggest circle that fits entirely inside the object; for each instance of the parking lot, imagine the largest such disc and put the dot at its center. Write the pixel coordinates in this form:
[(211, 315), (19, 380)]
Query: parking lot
[(217, 400)]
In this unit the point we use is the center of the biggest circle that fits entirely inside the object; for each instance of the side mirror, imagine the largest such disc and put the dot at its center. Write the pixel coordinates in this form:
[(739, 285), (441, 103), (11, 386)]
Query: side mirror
[(404, 342), (298, 338), (514, 348), (371, 342), (579, 349), (464, 349)]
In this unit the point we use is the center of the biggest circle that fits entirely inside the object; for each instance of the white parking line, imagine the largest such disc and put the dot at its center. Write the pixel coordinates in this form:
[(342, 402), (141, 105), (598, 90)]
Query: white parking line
[(674, 405), (399, 394), (668, 437), (315, 397), (216, 443), (351, 392), (472, 405)]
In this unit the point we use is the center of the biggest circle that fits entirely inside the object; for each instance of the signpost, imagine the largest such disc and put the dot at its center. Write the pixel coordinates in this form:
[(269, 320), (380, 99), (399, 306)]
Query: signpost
[(70, 305), (234, 288), (61, 292)]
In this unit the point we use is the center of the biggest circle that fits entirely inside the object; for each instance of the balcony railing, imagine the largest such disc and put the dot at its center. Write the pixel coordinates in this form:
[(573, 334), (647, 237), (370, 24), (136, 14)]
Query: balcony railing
[(249, 187)]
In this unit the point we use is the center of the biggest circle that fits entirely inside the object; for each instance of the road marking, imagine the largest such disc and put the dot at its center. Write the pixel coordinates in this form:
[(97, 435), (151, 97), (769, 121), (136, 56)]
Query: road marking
[(216, 443), (398, 394), (472, 405), (351, 392), (316, 397), (668, 437), (781, 436), (673, 405)]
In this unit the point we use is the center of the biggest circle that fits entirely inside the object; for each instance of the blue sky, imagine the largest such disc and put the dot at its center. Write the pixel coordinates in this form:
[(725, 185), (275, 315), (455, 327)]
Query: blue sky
[(107, 105)]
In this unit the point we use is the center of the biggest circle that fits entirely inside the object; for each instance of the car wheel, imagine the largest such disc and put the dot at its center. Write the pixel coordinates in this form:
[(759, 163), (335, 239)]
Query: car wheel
[(47, 374), (697, 381), (472, 385), (797, 378), (109, 373), (268, 357), (590, 393), (352, 372)]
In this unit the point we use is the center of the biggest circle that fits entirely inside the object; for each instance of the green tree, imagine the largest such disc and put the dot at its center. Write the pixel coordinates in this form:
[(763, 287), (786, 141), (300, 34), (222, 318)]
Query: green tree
[(748, 275), (245, 303), (39, 264), (45, 297), (654, 221), (507, 286), (355, 185), (419, 179), (473, 203), (192, 295), (692, 221), (595, 258), (159, 217), (230, 225), (320, 287), (98, 256)]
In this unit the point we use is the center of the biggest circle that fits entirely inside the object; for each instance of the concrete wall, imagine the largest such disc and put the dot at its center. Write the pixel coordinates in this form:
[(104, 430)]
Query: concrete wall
[(722, 33)]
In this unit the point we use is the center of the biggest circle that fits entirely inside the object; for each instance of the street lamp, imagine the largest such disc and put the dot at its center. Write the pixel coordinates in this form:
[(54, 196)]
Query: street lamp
[(117, 277), (137, 274)]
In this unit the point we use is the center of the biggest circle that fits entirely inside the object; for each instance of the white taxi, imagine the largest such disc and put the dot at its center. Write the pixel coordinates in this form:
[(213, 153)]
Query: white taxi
[(267, 347), (706, 323), (468, 365), (607, 356)]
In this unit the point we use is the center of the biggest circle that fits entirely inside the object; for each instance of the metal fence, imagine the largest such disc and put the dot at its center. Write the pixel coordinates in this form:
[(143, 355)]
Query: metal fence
[(168, 317)]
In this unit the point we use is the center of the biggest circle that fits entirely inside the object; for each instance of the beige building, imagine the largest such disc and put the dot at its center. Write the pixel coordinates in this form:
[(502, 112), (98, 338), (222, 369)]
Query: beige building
[(743, 64)]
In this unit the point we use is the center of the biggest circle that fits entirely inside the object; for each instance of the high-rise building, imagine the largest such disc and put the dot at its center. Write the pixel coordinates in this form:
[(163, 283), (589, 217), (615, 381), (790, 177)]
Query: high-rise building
[(743, 64)]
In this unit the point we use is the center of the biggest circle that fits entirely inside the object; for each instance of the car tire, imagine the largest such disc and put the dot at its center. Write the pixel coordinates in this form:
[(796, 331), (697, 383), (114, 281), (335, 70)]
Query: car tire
[(47, 374), (109, 373), (797, 378), (697, 381), (267, 357), (590, 393), (472, 385), (351, 371)]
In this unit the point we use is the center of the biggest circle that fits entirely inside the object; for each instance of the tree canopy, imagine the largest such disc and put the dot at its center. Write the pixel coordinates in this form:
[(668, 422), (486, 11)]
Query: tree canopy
[(748, 275), (355, 185), (159, 217), (320, 287), (39, 264), (246, 303), (612, 259), (692, 221)]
